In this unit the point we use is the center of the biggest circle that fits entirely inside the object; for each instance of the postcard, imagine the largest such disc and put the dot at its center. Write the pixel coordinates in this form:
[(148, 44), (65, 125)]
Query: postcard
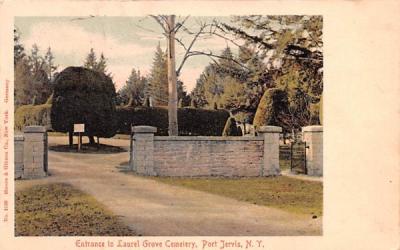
[(199, 125)]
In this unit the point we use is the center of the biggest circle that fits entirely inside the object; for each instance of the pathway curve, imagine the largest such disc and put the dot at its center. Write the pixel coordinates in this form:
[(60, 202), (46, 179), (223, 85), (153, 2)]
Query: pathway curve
[(152, 208)]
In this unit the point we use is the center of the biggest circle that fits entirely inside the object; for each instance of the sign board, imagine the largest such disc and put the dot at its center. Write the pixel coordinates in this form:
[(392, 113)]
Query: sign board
[(79, 128)]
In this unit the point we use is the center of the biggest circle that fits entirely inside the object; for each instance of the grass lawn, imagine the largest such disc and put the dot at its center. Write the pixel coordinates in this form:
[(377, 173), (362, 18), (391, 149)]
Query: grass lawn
[(61, 210), (293, 195)]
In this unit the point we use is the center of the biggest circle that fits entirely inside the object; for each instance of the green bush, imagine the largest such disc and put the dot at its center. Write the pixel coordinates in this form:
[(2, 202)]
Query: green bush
[(150, 116), (272, 109), (315, 114), (191, 121), (29, 115), (195, 121), (84, 96), (231, 128)]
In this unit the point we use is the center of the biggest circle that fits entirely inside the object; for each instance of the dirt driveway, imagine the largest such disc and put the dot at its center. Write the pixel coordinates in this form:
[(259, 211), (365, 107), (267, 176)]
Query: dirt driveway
[(152, 208)]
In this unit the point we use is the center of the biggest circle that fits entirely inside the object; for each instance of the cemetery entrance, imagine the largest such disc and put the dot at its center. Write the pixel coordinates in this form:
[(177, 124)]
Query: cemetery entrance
[(298, 163)]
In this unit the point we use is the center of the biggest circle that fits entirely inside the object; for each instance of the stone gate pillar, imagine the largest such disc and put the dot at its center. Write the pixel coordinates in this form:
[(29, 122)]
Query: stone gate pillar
[(142, 161), (271, 150), (312, 135), (18, 156), (34, 152)]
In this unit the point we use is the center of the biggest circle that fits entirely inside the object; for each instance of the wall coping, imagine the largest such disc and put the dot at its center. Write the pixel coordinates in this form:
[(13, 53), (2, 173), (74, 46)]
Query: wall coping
[(144, 129), (208, 138), (314, 128), (34, 129), (270, 129)]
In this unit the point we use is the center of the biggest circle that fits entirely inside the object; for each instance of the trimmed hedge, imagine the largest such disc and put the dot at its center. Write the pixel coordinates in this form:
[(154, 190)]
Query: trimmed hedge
[(29, 115), (84, 96), (272, 109), (191, 121), (231, 128)]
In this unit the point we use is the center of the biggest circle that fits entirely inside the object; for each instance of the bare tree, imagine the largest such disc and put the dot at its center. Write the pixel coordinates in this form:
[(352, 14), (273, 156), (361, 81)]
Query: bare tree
[(170, 29)]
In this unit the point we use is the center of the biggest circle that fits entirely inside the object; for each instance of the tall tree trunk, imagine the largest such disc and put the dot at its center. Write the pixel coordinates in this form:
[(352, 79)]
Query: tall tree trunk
[(70, 138), (173, 95), (91, 140)]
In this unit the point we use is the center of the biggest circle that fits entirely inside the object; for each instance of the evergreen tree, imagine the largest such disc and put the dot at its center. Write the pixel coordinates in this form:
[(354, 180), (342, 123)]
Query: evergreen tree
[(36, 62), (19, 50), (157, 87), (22, 83), (101, 65), (132, 93), (273, 109), (50, 67), (32, 83), (40, 79), (91, 60)]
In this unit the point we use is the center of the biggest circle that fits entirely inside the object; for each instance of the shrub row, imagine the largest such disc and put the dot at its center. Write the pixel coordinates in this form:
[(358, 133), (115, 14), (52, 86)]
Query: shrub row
[(29, 115), (231, 128), (191, 121)]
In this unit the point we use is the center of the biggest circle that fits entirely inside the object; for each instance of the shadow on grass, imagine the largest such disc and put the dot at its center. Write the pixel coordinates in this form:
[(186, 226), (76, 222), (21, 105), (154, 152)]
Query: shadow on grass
[(123, 167), (88, 149)]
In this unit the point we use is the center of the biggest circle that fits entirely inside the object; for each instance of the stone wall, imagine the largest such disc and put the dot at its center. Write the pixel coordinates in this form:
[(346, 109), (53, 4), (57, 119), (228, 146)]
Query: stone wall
[(30, 153), (208, 156), (205, 155)]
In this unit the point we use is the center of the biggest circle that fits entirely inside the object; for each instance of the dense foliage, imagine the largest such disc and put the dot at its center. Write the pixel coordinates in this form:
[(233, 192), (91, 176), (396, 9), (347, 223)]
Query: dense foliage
[(84, 96), (133, 92), (99, 65), (191, 121), (283, 52), (231, 128), (29, 115), (139, 89), (33, 74), (272, 109)]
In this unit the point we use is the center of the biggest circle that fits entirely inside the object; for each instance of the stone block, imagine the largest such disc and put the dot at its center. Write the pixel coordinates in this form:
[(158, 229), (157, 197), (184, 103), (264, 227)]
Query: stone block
[(313, 136)]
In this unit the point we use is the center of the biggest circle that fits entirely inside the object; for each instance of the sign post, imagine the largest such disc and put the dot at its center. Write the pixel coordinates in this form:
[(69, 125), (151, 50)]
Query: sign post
[(79, 128)]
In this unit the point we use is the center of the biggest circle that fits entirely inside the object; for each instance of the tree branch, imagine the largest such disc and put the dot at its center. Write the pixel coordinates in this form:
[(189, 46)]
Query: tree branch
[(180, 24), (157, 19), (188, 49)]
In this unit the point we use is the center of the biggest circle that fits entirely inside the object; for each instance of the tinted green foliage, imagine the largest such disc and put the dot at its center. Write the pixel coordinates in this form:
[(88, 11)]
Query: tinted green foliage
[(28, 115), (84, 96), (191, 121), (273, 109), (201, 121), (231, 128)]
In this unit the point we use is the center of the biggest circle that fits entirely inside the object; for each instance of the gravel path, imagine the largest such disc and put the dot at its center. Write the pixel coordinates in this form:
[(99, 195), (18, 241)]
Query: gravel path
[(152, 208)]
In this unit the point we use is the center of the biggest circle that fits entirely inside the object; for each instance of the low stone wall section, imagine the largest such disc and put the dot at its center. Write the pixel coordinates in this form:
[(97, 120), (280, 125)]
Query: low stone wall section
[(208, 156), (205, 156)]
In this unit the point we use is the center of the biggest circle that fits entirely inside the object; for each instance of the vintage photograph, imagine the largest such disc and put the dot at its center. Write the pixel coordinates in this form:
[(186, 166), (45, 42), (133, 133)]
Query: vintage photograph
[(168, 125)]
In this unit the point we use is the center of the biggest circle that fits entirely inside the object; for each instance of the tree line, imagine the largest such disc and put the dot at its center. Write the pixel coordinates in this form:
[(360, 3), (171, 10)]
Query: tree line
[(275, 78), (35, 74)]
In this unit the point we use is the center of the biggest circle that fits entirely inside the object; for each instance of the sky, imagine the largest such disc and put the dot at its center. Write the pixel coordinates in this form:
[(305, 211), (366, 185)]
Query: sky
[(127, 42)]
